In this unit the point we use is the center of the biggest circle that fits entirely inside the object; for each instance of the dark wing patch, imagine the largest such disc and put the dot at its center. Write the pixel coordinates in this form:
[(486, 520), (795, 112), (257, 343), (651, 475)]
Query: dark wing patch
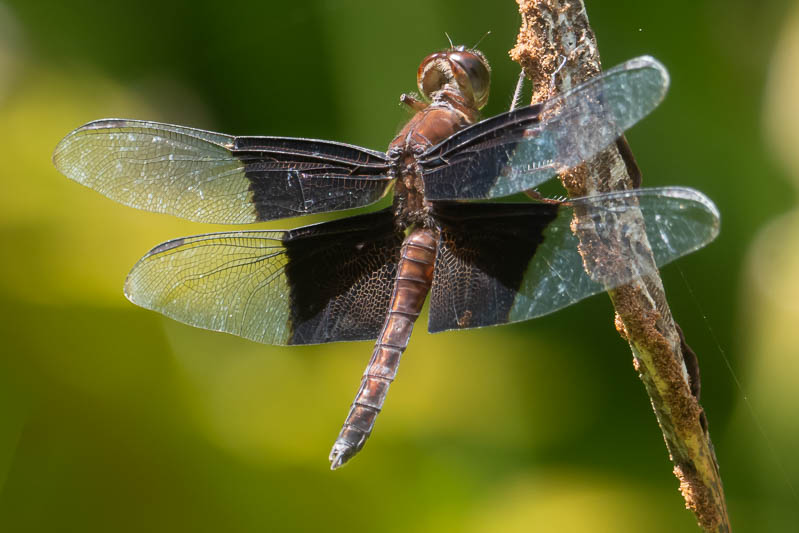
[(211, 177), (320, 283), (341, 276), (292, 177), (484, 251)]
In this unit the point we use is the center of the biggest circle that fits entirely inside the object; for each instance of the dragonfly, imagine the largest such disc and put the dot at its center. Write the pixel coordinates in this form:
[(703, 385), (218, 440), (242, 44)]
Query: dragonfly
[(366, 277)]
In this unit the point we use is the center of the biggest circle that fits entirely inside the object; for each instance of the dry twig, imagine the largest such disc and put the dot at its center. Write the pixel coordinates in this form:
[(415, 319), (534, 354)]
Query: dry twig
[(555, 39)]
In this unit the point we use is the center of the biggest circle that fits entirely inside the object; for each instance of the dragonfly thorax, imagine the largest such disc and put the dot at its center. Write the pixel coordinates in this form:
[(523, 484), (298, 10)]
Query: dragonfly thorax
[(425, 129)]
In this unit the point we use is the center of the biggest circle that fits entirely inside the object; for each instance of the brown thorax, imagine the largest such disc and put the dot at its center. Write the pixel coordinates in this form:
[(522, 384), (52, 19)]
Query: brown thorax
[(455, 82)]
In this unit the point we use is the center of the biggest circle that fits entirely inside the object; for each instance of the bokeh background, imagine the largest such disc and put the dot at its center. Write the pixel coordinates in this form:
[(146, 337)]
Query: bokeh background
[(113, 418)]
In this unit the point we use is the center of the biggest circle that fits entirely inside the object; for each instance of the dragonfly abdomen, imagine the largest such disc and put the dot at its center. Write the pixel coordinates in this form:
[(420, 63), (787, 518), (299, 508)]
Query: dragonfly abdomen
[(414, 277)]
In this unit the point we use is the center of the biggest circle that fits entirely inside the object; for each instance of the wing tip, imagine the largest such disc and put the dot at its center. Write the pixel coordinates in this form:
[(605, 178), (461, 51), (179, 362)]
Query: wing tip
[(700, 198), (61, 151), (129, 289), (697, 198), (662, 74)]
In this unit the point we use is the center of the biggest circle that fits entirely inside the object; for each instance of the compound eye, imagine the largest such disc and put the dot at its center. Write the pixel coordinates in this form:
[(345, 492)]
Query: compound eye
[(430, 77), (472, 74)]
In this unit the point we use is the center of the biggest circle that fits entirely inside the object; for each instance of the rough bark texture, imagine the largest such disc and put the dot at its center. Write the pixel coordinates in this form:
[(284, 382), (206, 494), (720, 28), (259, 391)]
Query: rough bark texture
[(557, 50)]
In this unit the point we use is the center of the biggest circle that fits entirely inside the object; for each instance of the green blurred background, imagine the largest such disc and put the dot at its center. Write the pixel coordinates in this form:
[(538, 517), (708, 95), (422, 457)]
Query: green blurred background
[(113, 418)]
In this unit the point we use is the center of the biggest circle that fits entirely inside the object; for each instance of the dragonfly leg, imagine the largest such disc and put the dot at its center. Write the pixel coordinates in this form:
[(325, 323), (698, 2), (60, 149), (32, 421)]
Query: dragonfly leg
[(412, 102)]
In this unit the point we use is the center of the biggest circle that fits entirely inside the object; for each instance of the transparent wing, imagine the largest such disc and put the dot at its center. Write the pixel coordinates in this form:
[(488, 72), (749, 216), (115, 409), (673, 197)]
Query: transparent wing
[(211, 177), (520, 149), (502, 263)]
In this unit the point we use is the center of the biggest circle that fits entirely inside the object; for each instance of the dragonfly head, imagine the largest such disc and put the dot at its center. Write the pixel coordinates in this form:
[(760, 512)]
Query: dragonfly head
[(461, 69)]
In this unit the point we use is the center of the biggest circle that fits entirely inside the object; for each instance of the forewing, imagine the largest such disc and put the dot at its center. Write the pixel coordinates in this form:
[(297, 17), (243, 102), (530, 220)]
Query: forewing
[(320, 283), (505, 263), (211, 177), (519, 150)]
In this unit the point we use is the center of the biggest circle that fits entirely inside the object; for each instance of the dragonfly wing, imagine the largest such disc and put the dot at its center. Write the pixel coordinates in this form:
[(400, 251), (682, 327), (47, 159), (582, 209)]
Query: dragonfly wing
[(321, 283), (211, 177), (503, 263), (520, 149)]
